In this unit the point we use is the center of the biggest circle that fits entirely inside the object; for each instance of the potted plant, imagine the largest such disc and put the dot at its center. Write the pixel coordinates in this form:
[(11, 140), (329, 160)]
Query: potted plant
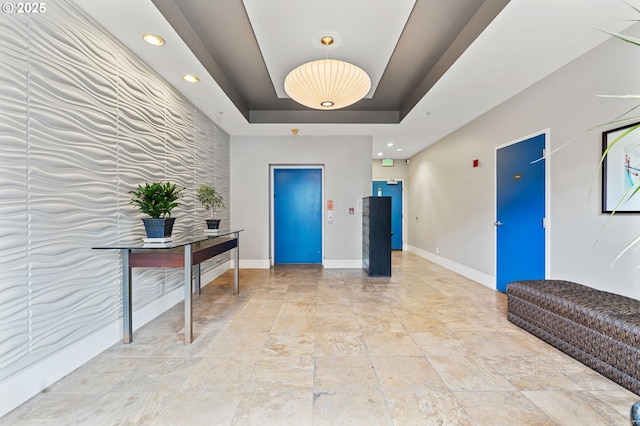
[(157, 199), (210, 200)]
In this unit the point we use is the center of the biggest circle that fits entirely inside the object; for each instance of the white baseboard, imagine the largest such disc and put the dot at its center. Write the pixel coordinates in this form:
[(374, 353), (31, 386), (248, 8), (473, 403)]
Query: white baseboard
[(255, 264), (465, 271), (21, 387), (328, 263), (342, 263)]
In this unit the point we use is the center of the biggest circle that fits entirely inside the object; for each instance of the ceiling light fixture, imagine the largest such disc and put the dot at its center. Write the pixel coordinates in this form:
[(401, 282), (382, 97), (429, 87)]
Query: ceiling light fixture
[(190, 78), (153, 39), (327, 84)]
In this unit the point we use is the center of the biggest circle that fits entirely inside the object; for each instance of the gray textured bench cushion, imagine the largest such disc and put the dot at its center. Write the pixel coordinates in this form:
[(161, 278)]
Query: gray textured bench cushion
[(598, 328)]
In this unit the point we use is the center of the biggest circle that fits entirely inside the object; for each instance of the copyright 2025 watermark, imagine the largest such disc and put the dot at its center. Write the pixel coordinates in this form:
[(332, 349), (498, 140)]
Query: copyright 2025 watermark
[(23, 8)]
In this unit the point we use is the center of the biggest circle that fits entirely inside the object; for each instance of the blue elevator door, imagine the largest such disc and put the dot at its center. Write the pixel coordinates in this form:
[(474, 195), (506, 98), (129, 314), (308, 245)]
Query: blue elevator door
[(297, 215)]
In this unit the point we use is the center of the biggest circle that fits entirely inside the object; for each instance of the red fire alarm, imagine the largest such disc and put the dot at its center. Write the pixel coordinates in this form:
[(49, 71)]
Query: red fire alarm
[(476, 163)]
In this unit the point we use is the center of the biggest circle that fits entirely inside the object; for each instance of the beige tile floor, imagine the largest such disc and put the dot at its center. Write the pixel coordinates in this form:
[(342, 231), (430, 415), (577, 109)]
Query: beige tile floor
[(305, 346)]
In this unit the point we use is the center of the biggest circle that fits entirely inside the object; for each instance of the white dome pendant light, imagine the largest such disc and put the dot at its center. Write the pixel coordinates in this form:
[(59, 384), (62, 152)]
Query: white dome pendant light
[(327, 84)]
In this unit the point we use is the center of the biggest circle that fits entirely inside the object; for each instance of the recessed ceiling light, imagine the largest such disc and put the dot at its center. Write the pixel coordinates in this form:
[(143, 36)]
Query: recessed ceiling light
[(399, 149), (190, 78), (390, 144), (153, 39), (380, 154)]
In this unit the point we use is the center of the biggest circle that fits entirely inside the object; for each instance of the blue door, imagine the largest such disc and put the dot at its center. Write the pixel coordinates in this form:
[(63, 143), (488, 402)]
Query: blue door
[(297, 209), (520, 212), (393, 190)]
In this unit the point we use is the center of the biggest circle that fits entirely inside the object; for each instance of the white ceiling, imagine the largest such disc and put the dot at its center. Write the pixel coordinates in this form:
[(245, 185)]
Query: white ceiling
[(527, 41)]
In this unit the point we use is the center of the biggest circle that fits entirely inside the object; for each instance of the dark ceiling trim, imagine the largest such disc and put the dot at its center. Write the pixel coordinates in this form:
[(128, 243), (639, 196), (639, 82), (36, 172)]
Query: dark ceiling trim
[(324, 117), (174, 16), (480, 21), (284, 111)]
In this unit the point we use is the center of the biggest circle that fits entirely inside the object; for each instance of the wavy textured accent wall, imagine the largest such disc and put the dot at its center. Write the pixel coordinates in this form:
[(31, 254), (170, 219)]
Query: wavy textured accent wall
[(83, 122), (14, 293)]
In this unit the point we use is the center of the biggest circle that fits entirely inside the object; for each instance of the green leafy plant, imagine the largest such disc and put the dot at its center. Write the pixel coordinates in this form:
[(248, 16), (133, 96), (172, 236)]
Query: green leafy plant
[(209, 198), (156, 199)]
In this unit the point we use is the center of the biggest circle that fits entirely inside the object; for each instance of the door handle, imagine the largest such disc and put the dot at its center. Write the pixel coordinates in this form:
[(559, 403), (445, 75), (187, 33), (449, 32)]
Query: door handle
[(497, 223)]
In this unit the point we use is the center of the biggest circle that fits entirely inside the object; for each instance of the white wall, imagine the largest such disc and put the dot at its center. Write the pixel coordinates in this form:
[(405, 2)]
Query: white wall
[(452, 209), (347, 178), (83, 122), (399, 170)]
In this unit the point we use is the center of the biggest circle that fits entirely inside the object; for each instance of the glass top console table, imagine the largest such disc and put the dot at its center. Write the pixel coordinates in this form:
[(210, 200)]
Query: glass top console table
[(185, 251)]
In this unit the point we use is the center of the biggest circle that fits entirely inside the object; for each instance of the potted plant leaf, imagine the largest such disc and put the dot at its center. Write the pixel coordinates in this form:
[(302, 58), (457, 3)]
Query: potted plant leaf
[(157, 199), (210, 200)]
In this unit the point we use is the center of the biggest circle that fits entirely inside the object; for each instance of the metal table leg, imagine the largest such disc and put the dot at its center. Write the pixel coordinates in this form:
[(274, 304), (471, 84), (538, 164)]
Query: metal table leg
[(188, 294), (196, 273), (236, 265), (127, 326)]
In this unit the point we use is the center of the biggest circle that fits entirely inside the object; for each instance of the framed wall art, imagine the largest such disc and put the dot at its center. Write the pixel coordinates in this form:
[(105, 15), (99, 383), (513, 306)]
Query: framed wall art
[(621, 169)]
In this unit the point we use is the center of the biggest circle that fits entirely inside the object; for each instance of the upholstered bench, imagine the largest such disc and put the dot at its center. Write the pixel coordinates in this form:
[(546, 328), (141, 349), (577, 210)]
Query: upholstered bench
[(598, 328)]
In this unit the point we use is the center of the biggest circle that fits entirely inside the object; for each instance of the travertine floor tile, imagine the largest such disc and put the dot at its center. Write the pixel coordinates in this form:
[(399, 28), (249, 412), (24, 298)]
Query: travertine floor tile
[(53, 409), (469, 373), (407, 374), (387, 344), (429, 407), (297, 308), (256, 324), (502, 408), (199, 409), (157, 375), (328, 322), (441, 342), (284, 324), (415, 323), (340, 344), (303, 345), (300, 296), (532, 373), (573, 408), (203, 324), (383, 322), (356, 408), (282, 374), (125, 409), (99, 376), (219, 374), (233, 343), (619, 400), (344, 374), (294, 344), (334, 309), (198, 348), (274, 408)]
